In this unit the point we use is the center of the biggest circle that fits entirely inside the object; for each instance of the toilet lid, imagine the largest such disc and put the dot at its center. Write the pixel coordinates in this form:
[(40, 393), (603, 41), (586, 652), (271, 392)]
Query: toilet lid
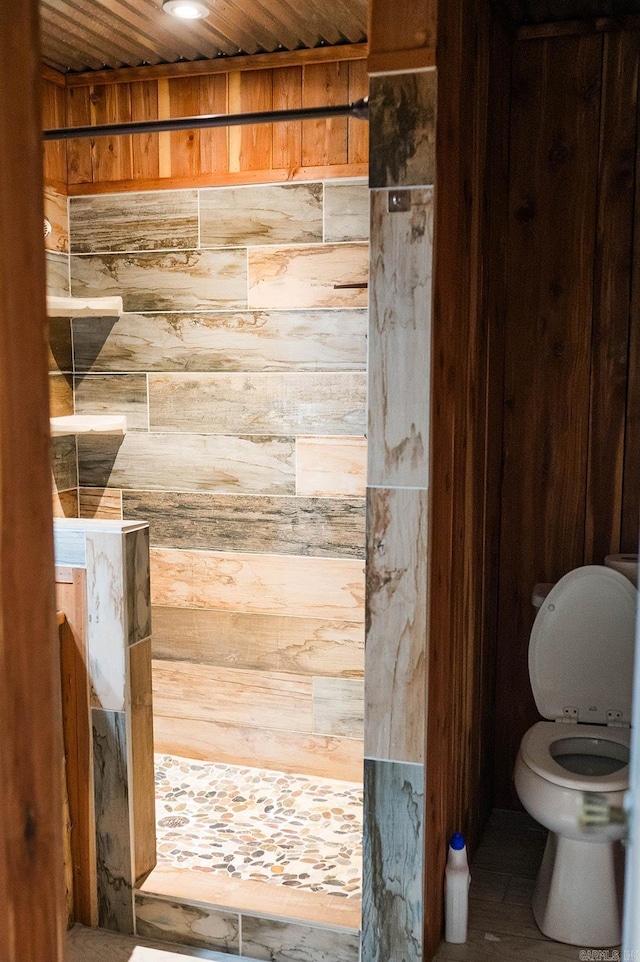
[(582, 645)]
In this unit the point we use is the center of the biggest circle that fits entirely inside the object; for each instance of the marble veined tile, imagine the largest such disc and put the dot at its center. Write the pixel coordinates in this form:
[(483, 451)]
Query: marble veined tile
[(265, 214), (392, 861), (57, 273), (198, 926), (224, 341), (256, 404), (64, 464), (338, 706), (137, 589), (177, 281), (331, 466), (153, 220), (331, 275), (402, 121), (346, 212), (113, 844), (156, 462), (106, 628), (269, 939)]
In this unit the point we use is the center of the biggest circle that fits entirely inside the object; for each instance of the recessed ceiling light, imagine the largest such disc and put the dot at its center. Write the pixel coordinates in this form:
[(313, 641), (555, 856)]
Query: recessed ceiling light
[(186, 9)]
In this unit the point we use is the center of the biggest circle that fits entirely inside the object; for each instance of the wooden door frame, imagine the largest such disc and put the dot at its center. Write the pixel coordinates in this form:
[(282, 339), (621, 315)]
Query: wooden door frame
[(31, 862)]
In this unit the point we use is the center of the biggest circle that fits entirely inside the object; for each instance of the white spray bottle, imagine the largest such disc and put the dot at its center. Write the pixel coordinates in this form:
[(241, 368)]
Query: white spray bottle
[(456, 891)]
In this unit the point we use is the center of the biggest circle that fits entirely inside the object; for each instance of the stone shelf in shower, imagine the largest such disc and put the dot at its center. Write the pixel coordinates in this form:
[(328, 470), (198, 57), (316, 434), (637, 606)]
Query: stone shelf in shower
[(88, 424), (84, 306)]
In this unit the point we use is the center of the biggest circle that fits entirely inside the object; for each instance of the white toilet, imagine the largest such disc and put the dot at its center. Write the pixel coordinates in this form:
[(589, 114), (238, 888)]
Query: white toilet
[(580, 664)]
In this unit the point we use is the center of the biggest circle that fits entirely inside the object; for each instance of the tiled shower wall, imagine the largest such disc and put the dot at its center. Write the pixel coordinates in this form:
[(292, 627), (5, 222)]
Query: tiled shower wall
[(64, 461), (240, 364)]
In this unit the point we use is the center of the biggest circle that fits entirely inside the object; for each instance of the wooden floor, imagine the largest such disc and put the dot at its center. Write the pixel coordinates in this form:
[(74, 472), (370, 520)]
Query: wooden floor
[(96, 945), (501, 923)]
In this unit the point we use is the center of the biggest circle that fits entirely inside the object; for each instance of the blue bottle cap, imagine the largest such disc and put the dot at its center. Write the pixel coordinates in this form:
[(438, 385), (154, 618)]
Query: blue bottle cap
[(457, 842)]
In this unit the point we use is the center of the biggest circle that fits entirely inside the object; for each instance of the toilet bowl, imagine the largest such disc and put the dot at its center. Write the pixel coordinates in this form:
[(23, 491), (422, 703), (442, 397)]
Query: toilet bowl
[(580, 664)]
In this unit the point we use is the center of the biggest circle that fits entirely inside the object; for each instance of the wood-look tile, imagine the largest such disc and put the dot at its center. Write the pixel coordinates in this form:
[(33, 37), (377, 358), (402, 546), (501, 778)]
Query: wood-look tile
[(114, 394), (96, 945), (65, 504), (136, 584), (60, 353), (519, 890), (514, 853), (64, 463), (178, 281), (392, 861), (304, 646), (338, 706), (331, 466), (113, 843), (230, 696), (57, 273), (288, 277), (402, 125), (488, 886), (225, 341), (153, 220), (399, 342), (482, 946), (297, 752), (268, 939), (56, 212), (395, 672), (265, 214), (502, 918), (198, 926), (60, 395), (317, 527), (258, 465), (246, 895), (271, 584), (107, 639), (142, 762), (346, 212), (105, 503), (275, 404)]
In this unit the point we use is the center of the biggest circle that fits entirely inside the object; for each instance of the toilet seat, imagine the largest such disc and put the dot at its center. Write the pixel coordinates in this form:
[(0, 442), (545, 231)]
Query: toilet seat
[(536, 745)]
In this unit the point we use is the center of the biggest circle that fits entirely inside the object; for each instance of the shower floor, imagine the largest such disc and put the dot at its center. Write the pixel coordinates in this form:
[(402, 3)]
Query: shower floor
[(297, 831)]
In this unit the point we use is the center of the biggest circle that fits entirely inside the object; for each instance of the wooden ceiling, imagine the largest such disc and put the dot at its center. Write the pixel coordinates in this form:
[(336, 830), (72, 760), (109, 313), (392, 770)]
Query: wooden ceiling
[(80, 35)]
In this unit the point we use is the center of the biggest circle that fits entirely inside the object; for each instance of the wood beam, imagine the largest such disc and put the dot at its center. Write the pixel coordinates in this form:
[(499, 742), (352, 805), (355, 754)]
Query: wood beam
[(201, 68), (32, 899)]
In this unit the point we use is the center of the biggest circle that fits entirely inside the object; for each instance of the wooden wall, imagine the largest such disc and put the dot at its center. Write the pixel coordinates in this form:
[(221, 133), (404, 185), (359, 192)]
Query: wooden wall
[(571, 482), (235, 155)]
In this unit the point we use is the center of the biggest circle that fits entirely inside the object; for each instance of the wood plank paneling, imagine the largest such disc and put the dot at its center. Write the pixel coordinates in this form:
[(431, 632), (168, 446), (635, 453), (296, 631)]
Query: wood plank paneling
[(112, 156), (303, 646), (223, 341), (255, 94), (287, 137), (71, 599), (357, 131), (331, 467), (324, 141), (553, 190), (296, 752), (402, 37), (214, 143), (273, 404), (245, 465), (229, 696), (611, 295), (78, 114), (55, 152), (183, 280), (319, 527), (184, 101), (270, 584), (308, 276), (145, 147)]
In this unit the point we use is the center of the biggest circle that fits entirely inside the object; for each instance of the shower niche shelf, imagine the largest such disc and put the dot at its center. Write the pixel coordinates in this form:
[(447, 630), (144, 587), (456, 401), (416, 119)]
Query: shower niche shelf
[(88, 424), (84, 306)]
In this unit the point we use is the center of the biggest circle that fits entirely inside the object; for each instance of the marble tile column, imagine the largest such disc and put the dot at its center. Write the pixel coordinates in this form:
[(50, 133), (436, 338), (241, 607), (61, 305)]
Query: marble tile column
[(401, 180), (115, 555)]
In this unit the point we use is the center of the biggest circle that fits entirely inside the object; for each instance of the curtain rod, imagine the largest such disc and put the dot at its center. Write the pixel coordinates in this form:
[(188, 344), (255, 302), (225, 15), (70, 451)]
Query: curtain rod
[(359, 109)]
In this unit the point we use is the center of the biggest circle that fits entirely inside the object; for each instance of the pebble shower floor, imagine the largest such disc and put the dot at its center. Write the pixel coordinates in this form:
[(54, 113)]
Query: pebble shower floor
[(249, 823)]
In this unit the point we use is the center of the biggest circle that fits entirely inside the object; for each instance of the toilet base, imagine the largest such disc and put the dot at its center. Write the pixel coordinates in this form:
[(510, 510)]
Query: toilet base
[(578, 893)]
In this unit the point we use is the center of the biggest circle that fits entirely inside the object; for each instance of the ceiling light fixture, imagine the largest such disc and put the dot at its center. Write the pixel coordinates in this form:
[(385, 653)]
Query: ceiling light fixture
[(186, 9)]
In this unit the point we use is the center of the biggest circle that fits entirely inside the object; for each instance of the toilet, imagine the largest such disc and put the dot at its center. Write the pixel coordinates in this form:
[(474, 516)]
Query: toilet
[(580, 665)]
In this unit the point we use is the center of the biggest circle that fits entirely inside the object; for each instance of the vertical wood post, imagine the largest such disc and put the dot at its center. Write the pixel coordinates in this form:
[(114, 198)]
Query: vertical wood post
[(31, 879)]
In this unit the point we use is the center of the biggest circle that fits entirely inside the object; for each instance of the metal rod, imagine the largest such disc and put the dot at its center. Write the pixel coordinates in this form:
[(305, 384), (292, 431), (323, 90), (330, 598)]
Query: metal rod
[(359, 109)]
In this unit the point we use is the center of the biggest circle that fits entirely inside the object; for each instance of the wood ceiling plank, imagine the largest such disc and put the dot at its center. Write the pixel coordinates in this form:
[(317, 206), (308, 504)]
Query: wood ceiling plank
[(87, 39), (177, 29)]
